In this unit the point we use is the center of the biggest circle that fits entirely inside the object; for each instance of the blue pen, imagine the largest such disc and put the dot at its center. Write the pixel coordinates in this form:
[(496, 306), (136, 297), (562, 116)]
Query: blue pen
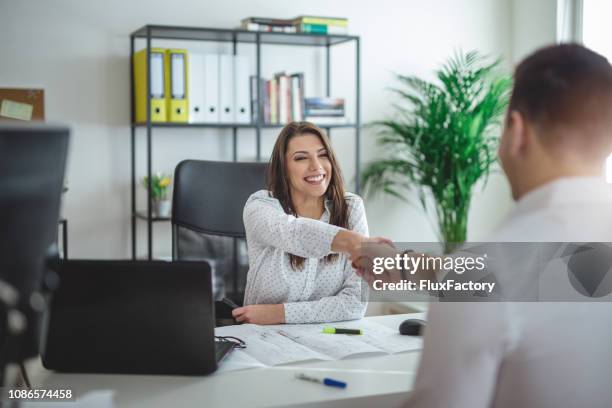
[(325, 381)]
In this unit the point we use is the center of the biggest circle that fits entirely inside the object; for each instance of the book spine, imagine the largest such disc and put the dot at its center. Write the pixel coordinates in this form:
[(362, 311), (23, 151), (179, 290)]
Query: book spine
[(282, 99), (322, 20), (313, 28), (254, 105), (289, 99), (267, 105), (302, 97), (274, 101), (268, 27), (265, 20), (325, 120), (250, 26), (295, 98), (324, 112), (322, 29), (325, 102)]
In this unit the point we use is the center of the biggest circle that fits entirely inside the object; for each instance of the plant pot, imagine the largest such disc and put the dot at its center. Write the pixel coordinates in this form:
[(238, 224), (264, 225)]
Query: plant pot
[(162, 208)]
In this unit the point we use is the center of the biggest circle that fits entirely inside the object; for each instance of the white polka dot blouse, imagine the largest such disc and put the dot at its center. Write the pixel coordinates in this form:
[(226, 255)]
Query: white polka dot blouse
[(321, 291)]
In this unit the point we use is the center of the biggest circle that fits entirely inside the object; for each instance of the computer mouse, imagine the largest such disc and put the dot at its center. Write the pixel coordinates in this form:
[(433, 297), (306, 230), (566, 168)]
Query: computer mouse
[(412, 327)]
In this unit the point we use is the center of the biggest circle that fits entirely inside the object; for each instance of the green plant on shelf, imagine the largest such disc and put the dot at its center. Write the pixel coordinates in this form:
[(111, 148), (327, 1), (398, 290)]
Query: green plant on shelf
[(159, 186), (443, 140)]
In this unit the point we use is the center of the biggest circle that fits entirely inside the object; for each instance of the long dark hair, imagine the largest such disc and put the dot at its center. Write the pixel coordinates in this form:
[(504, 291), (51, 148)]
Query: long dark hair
[(280, 188)]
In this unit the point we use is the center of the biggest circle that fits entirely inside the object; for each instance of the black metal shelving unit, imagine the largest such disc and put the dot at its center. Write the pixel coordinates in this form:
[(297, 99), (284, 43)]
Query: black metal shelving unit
[(159, 32)]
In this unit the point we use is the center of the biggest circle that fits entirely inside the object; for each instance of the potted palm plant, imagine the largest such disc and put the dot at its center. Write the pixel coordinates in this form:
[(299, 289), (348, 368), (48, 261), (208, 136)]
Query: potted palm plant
[(442, 140)]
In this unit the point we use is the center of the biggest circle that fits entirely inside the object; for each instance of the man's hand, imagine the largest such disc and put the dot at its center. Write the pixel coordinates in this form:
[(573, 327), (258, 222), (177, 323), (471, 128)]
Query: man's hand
[(363, 261), (260, 314), (350, 242)]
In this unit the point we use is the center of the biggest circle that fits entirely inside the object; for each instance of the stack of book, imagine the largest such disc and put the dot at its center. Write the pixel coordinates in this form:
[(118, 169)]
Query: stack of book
[(268, 24), (301, 24), (321, 25), (283, 98), (325, 111)]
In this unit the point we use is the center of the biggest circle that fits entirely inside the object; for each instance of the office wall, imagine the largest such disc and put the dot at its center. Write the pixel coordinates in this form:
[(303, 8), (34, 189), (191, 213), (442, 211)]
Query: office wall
[(78, 52), (534, 25)]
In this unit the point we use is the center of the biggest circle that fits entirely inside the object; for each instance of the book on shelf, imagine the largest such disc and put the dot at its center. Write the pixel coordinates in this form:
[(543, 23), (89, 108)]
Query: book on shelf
[(321, 25), (324, 111), (297, 96), (283, 101), (268, 24), (302, 24), (273, 100), (336, 21), (321, 29), (254, 106), (266, 100), (327, 120), (282, 98), (324, 106)]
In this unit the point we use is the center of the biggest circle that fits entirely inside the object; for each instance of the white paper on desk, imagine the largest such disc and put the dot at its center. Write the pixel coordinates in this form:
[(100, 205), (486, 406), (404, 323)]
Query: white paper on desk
[(291, 343), (93, 399), (383, 337), (334, 346), (266, 345), (238, 359)]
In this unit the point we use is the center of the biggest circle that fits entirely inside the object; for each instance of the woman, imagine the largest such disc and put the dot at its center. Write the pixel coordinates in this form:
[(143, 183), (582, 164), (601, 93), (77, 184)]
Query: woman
[(294, 232)]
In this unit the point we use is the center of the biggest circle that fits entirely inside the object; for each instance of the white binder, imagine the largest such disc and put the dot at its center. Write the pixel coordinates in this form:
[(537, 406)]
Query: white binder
[(242, 85), (211, 88), (226, 88), (196, 88)]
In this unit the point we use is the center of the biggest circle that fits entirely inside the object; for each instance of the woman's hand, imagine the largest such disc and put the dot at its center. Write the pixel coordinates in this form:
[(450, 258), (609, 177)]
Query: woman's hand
[(363, 261), (351, 243), (260, 314)]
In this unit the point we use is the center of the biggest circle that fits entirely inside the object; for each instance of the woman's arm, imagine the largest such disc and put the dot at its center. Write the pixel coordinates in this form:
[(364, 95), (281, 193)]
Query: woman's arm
[(267, 224), (351, 301), (347, 304)]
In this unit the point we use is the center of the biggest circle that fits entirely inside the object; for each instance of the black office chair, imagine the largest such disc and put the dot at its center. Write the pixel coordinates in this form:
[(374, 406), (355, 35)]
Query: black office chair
[(208, 201), (32, 163)]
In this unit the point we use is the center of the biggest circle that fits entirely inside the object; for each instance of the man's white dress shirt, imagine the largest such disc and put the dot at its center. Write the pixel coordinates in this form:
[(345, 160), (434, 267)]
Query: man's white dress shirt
[(322, 291), (510, 355)]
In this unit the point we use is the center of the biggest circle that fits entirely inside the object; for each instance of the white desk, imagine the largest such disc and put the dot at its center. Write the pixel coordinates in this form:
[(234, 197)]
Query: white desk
[(372, 381)]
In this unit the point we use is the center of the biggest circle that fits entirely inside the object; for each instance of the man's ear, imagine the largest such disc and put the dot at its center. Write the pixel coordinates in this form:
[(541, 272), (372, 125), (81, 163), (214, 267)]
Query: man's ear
[(518, 132)]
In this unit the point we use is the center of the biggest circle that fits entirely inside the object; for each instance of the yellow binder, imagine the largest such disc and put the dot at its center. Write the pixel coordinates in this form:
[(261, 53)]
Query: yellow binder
[(177, 86), (158, 85)]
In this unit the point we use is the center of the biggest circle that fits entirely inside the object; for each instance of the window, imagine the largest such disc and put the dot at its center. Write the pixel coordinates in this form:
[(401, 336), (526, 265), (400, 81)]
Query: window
[(597, 35)]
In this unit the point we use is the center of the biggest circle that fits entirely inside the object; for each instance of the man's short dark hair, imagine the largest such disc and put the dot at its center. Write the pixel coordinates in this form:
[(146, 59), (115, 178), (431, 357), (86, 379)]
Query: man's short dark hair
[(564, 86)]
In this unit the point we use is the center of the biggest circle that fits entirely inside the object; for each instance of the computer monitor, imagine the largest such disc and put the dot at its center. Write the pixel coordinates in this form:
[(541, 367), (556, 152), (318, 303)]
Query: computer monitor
[(32, 165)]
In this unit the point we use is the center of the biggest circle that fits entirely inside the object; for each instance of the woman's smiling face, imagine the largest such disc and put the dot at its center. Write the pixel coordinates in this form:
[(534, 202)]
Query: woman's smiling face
[(308, 165)]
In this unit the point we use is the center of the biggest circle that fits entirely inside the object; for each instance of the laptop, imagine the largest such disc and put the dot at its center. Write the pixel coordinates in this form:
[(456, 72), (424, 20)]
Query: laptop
[(132, 317)]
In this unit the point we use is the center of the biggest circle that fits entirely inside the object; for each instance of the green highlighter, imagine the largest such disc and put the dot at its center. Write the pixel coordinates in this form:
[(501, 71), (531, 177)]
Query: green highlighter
[(334, 330)]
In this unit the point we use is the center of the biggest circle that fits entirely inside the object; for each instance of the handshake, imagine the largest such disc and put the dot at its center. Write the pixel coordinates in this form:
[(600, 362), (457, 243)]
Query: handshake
[(363, 253)]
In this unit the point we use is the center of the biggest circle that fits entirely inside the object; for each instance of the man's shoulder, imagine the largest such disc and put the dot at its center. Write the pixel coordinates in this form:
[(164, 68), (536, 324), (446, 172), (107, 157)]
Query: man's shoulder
[(592, 222)]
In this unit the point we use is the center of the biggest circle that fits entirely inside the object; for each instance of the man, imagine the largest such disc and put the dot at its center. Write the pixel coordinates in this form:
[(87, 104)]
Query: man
[(557, 136)]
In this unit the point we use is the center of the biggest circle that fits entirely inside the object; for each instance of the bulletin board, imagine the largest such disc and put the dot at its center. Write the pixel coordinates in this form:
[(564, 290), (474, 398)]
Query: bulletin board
[(22, 104)]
